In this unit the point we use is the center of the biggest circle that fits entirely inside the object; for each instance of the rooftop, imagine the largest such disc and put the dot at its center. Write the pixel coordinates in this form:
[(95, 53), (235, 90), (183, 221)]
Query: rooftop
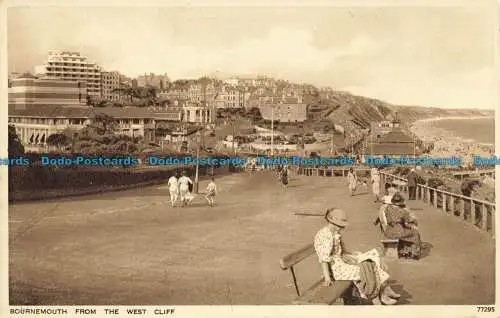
[(392, 149), (395, 136), (50, 111)]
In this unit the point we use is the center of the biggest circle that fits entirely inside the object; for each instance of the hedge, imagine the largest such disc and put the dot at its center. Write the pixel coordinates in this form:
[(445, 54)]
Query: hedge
[(74, 179)]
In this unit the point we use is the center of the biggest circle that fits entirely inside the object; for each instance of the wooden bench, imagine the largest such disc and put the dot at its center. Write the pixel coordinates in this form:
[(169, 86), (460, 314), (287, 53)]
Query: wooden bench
[(390, 245), (339, 293), (390, 248)]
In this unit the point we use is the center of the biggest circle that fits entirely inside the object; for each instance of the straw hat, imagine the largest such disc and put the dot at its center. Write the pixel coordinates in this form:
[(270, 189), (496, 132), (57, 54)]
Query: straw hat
[(336, 216)]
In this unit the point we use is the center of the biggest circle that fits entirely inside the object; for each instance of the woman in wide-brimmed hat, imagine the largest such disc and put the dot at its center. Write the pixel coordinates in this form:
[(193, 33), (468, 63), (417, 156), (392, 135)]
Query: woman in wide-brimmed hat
[(401, 225), (333, 257)]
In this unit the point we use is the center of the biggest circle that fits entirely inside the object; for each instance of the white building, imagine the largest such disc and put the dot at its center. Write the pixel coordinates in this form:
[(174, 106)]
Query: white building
[(284, 112), (197, 114), (232, 81), (35, 124), (72, 66)]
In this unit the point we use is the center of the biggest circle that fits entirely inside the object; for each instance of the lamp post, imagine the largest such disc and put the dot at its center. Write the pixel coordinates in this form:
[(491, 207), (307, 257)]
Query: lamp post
[(272, 128), (232, 125), (414, 151), (331, 145), (371, 144), (272, 131), (196, 179)]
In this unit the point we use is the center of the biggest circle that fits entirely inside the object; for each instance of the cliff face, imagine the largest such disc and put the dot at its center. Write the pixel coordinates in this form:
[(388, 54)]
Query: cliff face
[(409, 114), (359, 111)]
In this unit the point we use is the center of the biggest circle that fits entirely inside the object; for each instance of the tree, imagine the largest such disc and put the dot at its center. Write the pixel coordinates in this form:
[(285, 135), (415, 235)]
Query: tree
[(131, 92), (103, 124), (254, 114), (151, 93), (58, 140), (15, 147)]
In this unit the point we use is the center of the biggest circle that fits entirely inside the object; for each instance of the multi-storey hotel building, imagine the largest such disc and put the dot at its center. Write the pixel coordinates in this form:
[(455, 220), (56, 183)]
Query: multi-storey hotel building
[(72, 66), (35, 91)]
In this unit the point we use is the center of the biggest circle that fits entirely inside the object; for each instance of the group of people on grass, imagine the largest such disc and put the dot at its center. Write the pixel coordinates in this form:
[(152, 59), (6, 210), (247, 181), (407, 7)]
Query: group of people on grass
[(181, 188), (366, 270)]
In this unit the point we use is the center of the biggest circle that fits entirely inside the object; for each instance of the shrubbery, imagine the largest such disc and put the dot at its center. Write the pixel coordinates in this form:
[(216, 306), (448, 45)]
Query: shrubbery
[(36, 176)]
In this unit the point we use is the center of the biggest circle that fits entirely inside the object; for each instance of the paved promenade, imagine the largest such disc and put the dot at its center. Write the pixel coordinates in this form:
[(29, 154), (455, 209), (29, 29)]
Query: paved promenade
[(131, 247)]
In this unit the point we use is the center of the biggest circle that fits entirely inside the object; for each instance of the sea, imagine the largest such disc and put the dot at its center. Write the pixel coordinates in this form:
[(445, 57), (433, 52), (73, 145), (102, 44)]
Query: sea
[(482, 130)]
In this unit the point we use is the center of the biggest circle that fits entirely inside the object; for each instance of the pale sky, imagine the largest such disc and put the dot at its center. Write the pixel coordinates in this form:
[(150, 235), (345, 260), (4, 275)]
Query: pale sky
[(426, 56)]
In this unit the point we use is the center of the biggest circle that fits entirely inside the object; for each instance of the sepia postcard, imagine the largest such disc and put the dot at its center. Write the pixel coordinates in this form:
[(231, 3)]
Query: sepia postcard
[(249, 158)]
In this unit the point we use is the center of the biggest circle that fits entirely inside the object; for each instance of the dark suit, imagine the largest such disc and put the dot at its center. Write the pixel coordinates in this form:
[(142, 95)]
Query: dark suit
[(412, 185)]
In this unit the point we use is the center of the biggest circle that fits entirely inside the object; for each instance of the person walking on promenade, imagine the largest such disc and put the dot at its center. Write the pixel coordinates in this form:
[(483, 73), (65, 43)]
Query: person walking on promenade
[(375, 178), (284, 176), (173, 187), (353, 181), (371, 281), (210, 192), (184, 183), (412, 185)]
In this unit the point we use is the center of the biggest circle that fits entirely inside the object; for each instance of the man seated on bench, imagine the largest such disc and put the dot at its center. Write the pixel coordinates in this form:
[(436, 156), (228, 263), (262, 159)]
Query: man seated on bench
[(333, 256), (403, 226)]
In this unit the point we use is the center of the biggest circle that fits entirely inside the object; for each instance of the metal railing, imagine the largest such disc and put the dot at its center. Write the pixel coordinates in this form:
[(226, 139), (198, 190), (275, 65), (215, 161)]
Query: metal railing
[(327, 172), (461, 174), (479, 213)]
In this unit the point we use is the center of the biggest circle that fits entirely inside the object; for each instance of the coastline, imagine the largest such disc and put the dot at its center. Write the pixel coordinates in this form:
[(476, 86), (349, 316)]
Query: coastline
[(448, 143), (432, 119)]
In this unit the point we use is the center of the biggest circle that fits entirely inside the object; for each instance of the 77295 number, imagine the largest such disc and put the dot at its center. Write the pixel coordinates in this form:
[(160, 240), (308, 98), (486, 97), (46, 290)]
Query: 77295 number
[(485, 309)]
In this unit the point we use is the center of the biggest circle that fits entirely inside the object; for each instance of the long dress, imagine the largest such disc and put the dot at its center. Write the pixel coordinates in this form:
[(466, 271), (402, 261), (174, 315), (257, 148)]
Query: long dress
[(353, 182), (330, 248), (376, 182)]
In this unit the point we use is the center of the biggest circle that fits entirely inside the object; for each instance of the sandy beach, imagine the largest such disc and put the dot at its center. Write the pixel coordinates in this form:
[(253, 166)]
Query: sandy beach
[(447, 143), (447, 118)]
